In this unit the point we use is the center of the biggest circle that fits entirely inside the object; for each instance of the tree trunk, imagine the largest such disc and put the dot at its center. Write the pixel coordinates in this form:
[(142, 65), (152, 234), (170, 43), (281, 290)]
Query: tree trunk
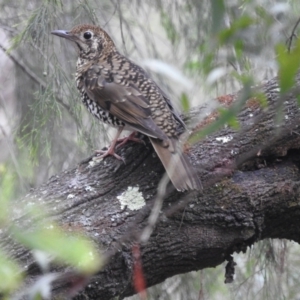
[(251, 185)]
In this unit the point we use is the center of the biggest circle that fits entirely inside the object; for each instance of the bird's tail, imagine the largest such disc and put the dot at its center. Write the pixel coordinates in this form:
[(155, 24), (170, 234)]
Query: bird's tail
[(177, 165)]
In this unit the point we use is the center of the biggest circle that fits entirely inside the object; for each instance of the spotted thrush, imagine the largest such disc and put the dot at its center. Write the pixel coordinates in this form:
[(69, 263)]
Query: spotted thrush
[(120, 93)]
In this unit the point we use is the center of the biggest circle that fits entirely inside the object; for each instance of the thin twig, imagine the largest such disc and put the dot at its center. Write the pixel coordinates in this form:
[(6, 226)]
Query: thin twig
[(23, 67), (109, 19), (121, 26), (153, 218), (290, 39), (14, 159), (43, 84)]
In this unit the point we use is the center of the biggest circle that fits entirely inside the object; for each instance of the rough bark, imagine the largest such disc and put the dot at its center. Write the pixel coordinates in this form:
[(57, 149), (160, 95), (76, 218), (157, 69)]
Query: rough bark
[(251, 189)]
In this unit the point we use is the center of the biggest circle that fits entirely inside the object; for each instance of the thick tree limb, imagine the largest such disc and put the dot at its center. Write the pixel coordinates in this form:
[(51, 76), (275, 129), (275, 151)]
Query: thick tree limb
[(251, 190)]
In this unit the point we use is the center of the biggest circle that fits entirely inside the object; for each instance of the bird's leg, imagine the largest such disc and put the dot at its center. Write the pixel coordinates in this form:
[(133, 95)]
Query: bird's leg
[(111, 149), (121, 142)]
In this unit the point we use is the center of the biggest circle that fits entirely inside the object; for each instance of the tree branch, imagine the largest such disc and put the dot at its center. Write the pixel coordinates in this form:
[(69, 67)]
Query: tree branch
[(246, 198)]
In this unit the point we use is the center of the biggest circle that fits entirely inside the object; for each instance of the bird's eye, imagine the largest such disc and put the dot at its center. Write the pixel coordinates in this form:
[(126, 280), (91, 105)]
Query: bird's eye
[(87, 35)]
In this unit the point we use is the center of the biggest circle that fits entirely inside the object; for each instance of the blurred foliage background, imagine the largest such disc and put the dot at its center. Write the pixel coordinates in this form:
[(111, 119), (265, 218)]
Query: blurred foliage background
[(196, 50)]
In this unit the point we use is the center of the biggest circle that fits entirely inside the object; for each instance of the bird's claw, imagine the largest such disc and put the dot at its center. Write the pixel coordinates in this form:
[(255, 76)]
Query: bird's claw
[(109, 152)]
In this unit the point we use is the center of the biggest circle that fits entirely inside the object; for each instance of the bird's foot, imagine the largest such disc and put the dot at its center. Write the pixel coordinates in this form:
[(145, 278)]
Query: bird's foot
[(109, 152), (121, 142)]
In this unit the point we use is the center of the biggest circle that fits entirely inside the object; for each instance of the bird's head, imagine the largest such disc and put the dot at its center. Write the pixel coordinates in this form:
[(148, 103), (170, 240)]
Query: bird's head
[(90, 39)]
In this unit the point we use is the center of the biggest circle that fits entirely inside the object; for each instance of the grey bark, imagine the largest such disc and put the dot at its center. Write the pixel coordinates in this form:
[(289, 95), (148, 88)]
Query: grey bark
[(251, 192)]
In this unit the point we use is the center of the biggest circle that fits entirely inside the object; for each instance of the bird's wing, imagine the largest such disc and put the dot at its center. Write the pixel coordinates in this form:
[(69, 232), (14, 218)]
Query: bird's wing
[(166, 98), (174, 111), (124, 102)]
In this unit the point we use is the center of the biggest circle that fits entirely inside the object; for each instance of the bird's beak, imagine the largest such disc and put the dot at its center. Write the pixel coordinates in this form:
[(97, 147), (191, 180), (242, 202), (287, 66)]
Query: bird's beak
[(64, 34)]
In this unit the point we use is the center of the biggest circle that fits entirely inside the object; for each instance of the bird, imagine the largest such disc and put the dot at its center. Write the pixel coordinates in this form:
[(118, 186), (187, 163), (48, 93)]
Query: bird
[(121, 94)]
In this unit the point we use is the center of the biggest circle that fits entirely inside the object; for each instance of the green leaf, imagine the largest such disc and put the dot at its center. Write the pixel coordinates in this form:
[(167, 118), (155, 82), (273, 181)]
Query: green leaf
[(229, 116), (239, 24), (217, 10), (185, 103), (239, 48), (10, 274), (245, 79), (169, 28), (289, 63), (262, 99), (204, 66), (193, 65), (226, 116), (71, 249), (7, 187)]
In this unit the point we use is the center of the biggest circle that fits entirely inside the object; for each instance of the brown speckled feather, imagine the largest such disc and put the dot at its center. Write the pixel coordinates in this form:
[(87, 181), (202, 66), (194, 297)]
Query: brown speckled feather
[(126, 103), (120, 93)]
